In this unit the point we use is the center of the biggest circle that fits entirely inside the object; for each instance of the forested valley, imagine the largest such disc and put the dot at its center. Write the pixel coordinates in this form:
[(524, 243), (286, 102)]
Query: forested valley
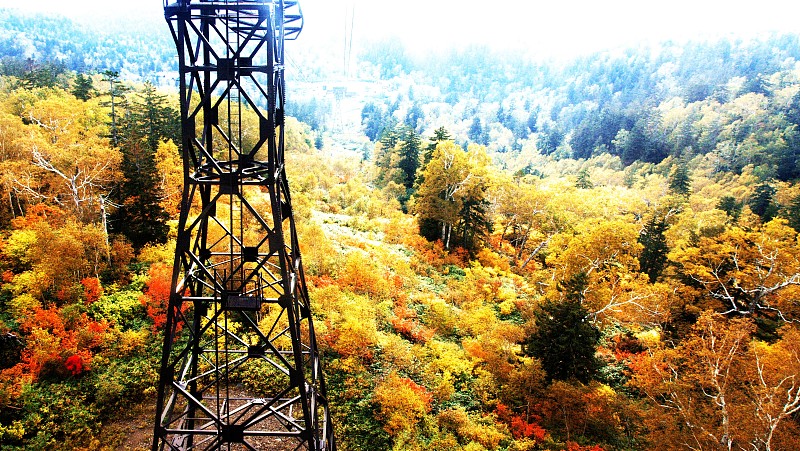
[(601, 254)]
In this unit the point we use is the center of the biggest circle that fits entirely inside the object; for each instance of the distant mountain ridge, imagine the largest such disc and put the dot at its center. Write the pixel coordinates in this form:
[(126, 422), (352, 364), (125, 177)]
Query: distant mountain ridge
[(137, 52), (734, 98)]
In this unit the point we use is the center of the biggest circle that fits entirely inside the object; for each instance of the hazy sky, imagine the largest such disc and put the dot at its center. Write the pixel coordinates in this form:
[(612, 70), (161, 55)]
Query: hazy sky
[(546, 28)]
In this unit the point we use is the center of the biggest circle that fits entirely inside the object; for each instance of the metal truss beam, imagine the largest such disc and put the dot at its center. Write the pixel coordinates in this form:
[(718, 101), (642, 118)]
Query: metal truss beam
[(240, 367)]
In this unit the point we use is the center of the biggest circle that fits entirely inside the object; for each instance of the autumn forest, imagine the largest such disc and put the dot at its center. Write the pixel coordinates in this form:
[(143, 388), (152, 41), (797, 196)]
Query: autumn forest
[(588, 256)]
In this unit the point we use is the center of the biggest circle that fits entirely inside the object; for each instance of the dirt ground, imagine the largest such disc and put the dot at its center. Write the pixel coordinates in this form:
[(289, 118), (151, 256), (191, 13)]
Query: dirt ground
[(132, 430)]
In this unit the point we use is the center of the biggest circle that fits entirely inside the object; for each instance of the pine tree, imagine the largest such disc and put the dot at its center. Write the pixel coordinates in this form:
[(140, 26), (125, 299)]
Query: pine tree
[(564, 340), (654, 254), (117, 92), (439, 135), (679, 181), (42, 75), (793, 213), (383, 156), (374, 120), (583, 181), (730, 206), (83, 88), (158, 118), (415, 117), (475, 132), (763, 203), (475, 225), (140, 216), (409, 162)]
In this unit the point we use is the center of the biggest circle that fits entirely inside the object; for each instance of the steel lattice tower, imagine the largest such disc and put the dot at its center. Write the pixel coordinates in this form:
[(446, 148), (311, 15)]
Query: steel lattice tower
[(239, 308)]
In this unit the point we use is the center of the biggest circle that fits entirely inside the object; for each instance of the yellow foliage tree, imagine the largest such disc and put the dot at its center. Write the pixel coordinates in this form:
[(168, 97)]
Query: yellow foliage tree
[(170, 170), (747, 271), (62, 157), (402, 403), (451, 178), (718, 389)]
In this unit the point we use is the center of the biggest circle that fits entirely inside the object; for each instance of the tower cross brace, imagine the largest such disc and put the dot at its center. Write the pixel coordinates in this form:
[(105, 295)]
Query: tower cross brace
[(240, 367)]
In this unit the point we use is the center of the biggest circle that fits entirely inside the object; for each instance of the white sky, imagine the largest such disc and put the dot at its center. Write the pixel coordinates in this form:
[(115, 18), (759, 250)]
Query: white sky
[(548, 28)]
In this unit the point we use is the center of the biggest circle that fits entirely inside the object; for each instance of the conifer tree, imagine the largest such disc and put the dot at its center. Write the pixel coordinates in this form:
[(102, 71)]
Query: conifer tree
[(117, 92), (793, 213), (730, 206), (439, 135), (415, 117), (564, 340), (679, 181), (583, 181), (42, 75), (654, 254), (384, 156), (157, 117), (408, 161), (476, 132), (389, 137), (139, 215), (373, 119), (762, 203), (475, 225), (83, 88)]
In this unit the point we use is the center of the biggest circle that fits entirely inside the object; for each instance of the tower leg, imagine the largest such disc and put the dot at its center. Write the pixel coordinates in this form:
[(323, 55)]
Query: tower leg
[(240, 367)]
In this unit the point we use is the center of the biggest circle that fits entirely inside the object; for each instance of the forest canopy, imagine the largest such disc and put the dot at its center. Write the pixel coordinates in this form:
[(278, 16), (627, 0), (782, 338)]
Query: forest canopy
[(602, 255)]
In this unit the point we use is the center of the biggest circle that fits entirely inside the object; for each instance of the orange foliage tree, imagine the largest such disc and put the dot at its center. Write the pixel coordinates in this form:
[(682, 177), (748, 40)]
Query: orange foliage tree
[(402, 403), (60, 342), (723, 388), (156, 295)]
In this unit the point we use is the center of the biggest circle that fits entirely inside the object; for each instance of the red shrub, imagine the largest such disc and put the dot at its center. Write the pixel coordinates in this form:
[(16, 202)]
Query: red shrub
[(518, 426), (92, 290), (74, 364)]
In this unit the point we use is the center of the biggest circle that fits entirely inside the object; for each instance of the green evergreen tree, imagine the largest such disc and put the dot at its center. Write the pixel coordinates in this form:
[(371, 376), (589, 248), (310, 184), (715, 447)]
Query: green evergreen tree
[(160, 121), (389, 137), (383, 156), (374, 120), (475, 224), (793, 213), (679, 181), (763, 202), (83, 89), (139, 216), (429, 228), (439, 135), (476, 131), (653, 258), (730, 206), (584, 181), (118, 102), (415, 117), (549, 138), (42, 75), (564, 340), (409, 159)]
